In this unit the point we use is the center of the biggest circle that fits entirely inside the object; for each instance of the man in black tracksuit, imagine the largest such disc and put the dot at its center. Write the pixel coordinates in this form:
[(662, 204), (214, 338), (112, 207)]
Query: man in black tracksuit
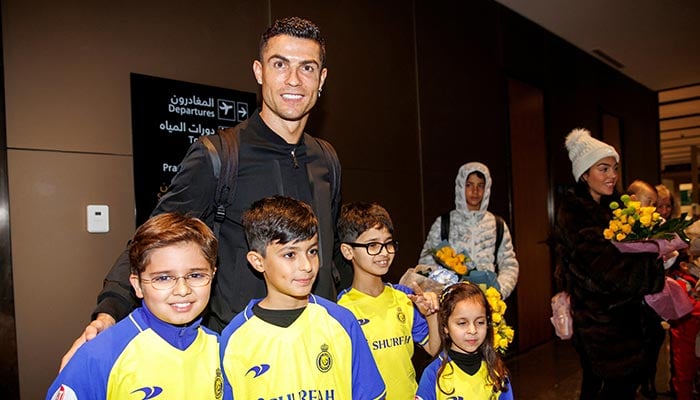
[(275, 157)]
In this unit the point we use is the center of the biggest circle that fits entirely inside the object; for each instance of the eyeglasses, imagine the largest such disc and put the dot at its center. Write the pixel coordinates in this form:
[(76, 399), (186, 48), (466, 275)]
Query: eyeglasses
[(165, 282), (374, 248)]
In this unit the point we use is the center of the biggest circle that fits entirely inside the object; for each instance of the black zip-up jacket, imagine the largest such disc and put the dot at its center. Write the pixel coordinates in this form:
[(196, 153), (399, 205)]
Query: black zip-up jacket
[(267, 166)]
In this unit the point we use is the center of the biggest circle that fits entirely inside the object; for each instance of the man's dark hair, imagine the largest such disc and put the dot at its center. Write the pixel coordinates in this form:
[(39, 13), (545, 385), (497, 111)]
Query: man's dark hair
[(297, 27), (359, 217), (278, 219)]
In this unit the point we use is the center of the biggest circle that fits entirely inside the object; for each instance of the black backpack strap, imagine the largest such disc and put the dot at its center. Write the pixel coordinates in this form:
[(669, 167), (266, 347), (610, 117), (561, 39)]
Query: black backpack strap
[(225, 166), (499, 238), (445, 226), (213, 156), (333, 164), (325, 211)]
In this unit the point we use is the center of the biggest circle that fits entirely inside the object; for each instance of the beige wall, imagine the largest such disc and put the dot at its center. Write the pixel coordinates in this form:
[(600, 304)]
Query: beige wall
[(67, 68)]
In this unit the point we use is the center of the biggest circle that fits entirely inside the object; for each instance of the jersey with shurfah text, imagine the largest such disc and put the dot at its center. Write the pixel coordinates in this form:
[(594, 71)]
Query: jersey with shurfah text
[(391, 324), (323, 355), (142, 357)]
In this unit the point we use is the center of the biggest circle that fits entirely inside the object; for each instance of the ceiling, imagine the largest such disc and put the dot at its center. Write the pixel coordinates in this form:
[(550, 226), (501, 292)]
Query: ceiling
[(654, 42)]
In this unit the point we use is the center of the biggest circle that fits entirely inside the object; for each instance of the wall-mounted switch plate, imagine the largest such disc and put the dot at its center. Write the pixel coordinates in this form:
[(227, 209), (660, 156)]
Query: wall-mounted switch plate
[(97, 219)]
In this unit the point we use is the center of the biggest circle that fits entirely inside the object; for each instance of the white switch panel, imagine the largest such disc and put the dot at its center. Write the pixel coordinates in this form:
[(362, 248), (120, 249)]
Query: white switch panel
[(97, 218)]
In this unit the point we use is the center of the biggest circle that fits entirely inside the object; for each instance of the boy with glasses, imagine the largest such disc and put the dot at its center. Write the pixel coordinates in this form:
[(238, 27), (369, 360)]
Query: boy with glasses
[(291, 344), (160, 348), (386, 312)]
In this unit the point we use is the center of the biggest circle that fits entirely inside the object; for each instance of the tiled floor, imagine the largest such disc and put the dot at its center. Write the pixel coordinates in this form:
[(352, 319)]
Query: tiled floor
[(551, 372)]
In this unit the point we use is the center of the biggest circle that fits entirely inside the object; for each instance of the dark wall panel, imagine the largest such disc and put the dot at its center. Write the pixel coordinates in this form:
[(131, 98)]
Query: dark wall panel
[(368, 110), (462, 100), (530, 209)]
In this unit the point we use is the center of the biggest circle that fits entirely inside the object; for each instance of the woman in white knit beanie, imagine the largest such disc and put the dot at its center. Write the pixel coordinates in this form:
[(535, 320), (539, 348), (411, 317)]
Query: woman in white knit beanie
[(593, 161), (606, 286)]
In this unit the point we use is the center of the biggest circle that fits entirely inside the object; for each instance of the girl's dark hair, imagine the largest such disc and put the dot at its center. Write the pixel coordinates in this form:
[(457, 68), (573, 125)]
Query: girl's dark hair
[(451, 295)]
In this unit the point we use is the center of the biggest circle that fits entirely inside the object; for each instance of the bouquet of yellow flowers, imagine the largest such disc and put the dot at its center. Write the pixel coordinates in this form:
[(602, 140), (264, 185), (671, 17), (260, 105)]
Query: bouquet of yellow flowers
[(449, 258), (634, 228), (631, 222), (502, 333)]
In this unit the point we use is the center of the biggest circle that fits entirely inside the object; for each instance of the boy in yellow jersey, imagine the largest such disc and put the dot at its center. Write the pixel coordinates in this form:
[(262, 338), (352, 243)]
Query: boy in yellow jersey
[(291, 344), (386, 312), (160, 349)]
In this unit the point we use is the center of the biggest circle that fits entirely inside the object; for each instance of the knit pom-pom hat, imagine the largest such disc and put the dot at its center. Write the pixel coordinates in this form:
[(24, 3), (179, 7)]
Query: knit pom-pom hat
[(585, 151)]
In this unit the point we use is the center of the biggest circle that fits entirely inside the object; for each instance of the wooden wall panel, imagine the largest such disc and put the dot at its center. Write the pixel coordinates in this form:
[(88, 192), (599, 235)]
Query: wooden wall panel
[(530, 211)]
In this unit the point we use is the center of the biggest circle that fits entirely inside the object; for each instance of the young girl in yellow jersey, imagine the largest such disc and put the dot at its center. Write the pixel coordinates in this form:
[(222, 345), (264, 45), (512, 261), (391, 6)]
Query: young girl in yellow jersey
[(468, 367)]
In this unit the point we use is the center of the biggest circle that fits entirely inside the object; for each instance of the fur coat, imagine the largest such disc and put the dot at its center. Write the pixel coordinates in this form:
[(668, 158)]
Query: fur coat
[(606, 287)]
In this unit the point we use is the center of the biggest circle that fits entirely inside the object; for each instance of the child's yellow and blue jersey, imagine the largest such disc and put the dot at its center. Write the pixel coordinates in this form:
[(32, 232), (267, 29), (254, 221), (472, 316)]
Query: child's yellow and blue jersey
[(142, 357), (322, 355), (461, 385), (391, 324)]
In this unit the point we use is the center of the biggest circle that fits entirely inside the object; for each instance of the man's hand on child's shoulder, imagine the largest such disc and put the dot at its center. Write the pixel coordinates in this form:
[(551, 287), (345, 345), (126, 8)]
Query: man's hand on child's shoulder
[(102, 322), (427, 302)]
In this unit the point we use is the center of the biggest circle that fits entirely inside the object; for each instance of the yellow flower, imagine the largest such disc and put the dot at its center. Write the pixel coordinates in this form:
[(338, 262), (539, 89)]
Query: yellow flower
[(493, 293), (460, 269), (509, 332), (647, 210), (620, 237), (645, 220), (608, 233), (449, 258), (496, 317), (502, 333)]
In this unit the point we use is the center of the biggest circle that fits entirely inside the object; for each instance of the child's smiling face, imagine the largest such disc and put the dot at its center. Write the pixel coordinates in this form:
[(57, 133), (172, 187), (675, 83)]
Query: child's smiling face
[(182, 303)]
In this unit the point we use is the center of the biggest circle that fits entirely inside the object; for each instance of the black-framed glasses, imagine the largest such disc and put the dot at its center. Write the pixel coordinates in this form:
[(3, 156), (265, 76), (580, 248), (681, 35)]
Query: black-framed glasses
[(165, 282), (374, 248)]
